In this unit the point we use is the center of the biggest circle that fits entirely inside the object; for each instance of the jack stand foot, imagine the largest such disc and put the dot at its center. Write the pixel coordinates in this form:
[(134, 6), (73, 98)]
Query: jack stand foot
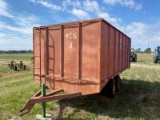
[(40, 117)]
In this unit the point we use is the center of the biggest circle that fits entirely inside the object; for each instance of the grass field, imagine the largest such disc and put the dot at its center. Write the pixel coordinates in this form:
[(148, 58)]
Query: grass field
[(139, 97)]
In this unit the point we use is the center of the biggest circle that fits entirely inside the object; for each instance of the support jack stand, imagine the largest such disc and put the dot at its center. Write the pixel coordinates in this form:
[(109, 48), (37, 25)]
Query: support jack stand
[(44, 115)]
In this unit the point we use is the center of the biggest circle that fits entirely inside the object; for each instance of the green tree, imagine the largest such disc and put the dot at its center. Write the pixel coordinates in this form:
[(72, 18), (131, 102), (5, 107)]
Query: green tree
[(147, 50), (138, 50)]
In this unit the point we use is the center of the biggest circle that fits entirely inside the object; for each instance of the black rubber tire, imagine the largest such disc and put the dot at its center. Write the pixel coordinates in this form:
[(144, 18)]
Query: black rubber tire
[(15, 68), (135, 59), (111, 88), (118, 83), (155, 60)]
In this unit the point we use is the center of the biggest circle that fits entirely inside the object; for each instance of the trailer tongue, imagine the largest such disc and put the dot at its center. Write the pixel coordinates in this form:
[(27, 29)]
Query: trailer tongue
[(37, 98)]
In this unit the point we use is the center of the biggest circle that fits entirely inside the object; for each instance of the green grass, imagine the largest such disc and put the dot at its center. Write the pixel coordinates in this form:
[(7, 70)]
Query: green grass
[(139, 97), (16, 57), (145, 58)]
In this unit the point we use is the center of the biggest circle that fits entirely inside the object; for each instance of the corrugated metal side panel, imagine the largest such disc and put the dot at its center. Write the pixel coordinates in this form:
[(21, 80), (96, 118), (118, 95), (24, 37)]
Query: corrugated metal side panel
[(121, 53), (117, 51), (104, 68), (71, 52), (55, 51), (111, 52), (79, 56), (114, 52), (40, 53), (90, 57), (90, 51), (43, 52), (129, 49), (71, 55), (64, 55), (36, 53), (87, 53), (124, 52)]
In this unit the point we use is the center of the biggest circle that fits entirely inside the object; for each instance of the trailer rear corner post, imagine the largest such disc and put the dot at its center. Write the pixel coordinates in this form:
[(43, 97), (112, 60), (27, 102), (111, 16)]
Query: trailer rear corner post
[(44, 115)]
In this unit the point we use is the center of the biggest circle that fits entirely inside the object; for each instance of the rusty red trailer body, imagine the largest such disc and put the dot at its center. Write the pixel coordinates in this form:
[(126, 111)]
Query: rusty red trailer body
[(79, 56)]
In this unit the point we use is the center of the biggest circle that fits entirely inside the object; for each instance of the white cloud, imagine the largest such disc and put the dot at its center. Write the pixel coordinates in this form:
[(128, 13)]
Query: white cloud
[(141, 34), (82, 9), (49, 5), (139, 31), (127, 3), (4, 9), (91, 6), (80, 14), (24, 20), (19, 29), (75, 4), (32, 1), (112, 2), (110, 19), (16, 37), (20, 32), (12, 42)]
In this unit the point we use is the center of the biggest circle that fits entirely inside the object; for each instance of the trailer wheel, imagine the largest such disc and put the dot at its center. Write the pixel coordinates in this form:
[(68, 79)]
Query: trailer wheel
[(118, 83), (135, 59), (111, 88), (155, 60)]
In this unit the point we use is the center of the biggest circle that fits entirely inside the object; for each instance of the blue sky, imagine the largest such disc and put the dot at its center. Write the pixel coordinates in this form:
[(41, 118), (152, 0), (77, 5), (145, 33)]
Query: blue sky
[(139, 19)]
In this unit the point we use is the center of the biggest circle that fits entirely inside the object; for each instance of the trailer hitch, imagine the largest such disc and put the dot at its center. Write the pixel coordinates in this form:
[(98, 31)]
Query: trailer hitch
[(48, 97)]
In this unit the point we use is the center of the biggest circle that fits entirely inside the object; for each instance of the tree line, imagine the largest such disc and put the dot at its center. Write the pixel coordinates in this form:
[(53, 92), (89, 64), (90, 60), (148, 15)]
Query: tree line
[(138, 50), (15, 51)]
